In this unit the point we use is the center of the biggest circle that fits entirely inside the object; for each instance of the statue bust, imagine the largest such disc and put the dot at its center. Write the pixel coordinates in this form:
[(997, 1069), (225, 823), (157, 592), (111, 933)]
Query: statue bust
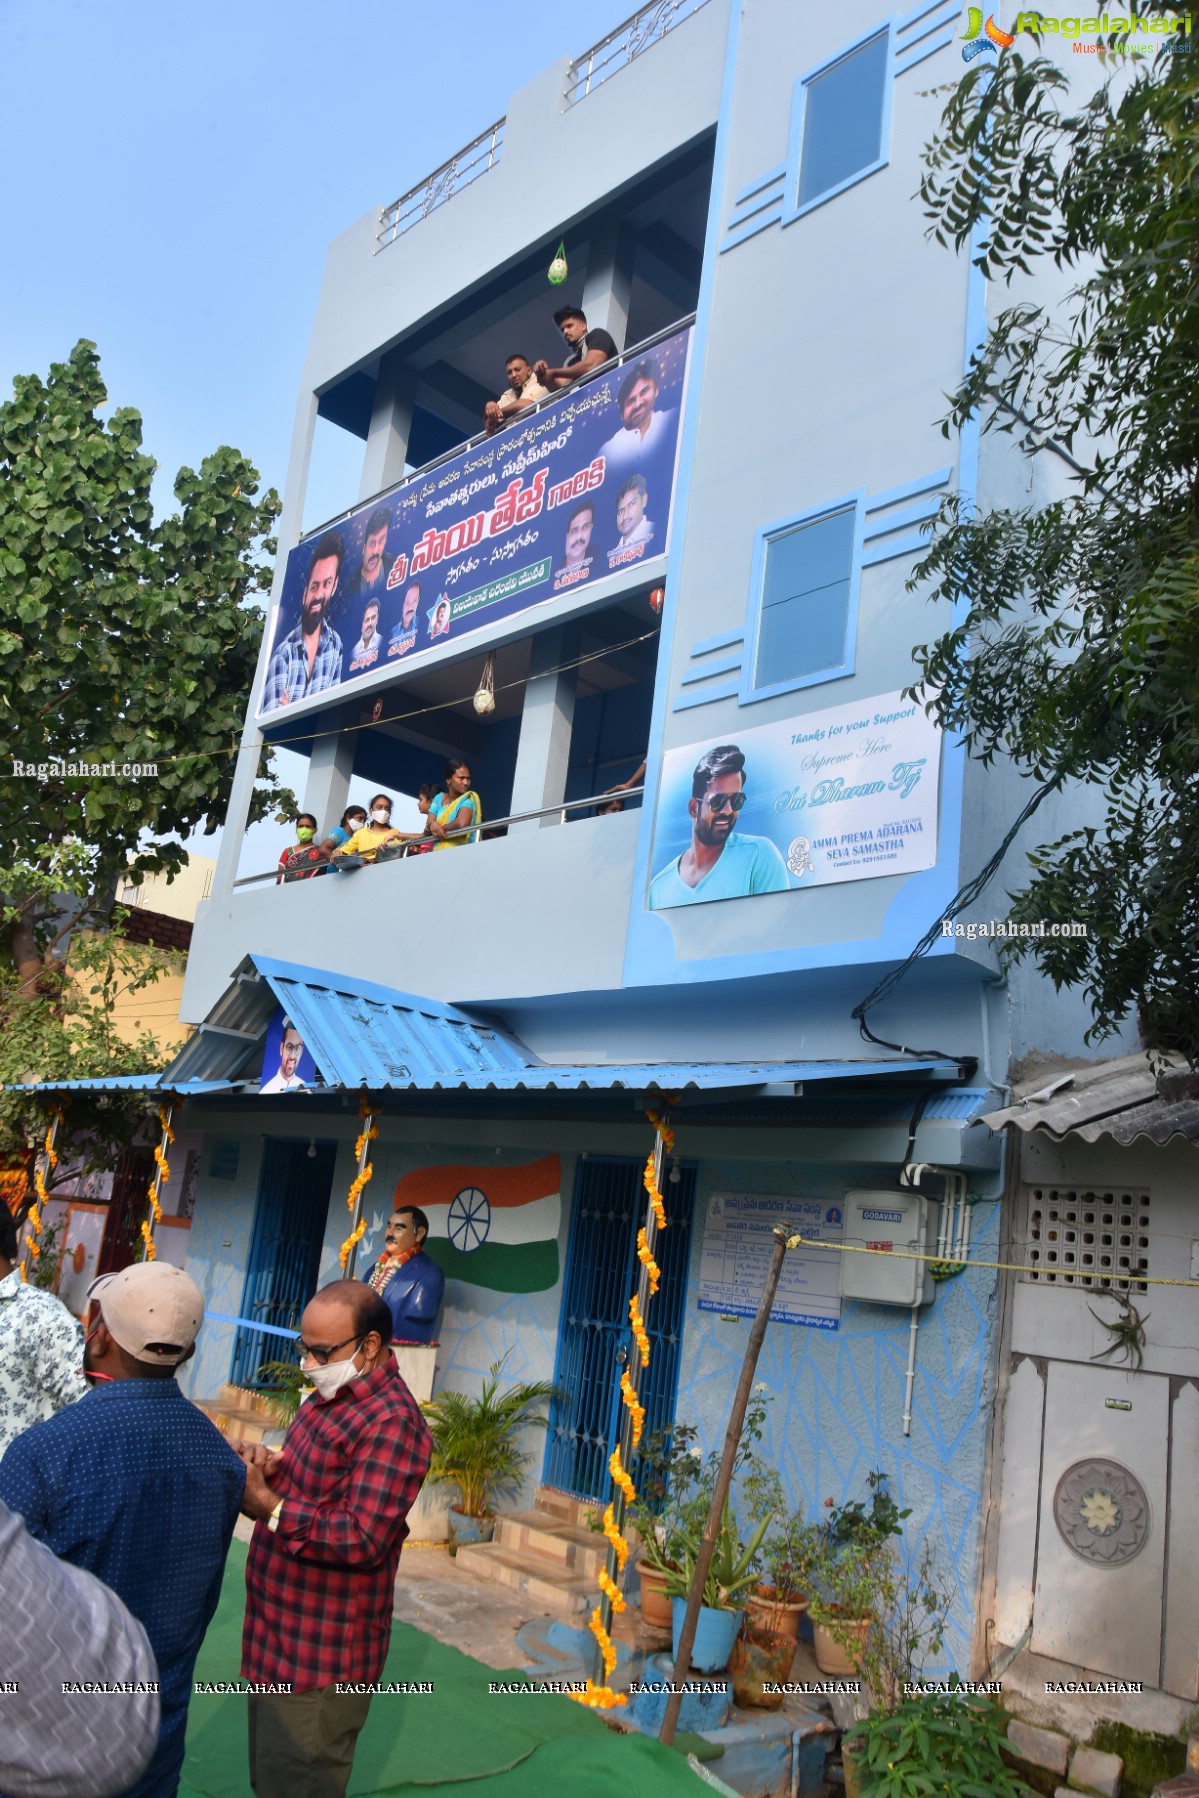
[(409, 1282)]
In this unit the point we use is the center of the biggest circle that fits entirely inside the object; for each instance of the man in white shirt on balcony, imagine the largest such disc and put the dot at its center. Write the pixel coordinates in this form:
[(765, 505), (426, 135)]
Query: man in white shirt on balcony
[(523, 390)]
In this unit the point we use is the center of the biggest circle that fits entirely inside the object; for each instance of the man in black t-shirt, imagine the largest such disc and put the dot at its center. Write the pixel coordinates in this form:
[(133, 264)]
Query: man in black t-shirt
[(588, 349)]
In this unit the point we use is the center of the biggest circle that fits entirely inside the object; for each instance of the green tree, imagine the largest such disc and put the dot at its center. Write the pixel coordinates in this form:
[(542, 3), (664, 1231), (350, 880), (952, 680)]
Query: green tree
[(123, 639), (1077, 654)]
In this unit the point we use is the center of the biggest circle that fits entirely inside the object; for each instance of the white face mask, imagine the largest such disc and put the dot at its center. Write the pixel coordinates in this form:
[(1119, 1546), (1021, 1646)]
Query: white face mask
[(330, 1380), (380, 817)]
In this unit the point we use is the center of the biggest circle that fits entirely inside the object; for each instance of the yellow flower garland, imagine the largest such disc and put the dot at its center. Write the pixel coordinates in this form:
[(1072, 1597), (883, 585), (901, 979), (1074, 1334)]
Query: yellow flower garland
[(639, 1331), (33, 1217), (635, 1409), (614, 1536), (647, 1261), (655, 1197), (620, 1477), (358, 1185), (156, 1185), (603, 1697)]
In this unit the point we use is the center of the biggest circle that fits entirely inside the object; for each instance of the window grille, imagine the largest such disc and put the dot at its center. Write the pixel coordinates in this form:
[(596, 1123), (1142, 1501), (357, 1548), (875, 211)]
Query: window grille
[(1093, 1240)]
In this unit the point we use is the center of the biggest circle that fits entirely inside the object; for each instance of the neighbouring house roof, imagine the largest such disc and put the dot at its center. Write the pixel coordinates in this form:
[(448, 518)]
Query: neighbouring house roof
[(1128, 1099)]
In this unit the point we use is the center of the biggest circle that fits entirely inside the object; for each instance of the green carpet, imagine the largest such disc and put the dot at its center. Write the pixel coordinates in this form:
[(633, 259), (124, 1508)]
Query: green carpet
[(461, 1739)]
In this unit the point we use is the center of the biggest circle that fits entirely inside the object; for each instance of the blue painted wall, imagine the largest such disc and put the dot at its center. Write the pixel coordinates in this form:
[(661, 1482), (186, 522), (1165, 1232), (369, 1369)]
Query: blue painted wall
[(837, 1397)]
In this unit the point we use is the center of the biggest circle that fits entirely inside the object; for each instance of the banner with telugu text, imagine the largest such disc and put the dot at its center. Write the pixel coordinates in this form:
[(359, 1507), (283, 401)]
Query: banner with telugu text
[(568, 499)]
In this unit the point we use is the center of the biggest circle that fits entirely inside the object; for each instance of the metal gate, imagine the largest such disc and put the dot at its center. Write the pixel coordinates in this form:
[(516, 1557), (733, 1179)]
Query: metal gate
[(593, 1334), (285, 1250)]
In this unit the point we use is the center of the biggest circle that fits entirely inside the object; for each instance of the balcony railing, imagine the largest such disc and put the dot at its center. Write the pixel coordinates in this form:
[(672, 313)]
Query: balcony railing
[(619, 48), (462, 168), (491, 826), (468, 443)]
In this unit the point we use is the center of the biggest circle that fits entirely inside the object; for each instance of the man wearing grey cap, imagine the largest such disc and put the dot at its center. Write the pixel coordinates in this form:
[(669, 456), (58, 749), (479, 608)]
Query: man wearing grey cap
[(134, 1484)]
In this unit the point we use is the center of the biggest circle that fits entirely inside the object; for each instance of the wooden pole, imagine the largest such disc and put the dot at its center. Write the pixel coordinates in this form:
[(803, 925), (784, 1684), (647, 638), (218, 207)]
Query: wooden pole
[(634, 1370), (724, 1480)]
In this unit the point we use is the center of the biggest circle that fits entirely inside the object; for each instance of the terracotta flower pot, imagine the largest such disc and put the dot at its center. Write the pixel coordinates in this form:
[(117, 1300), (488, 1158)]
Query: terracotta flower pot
[(767, 1613), (655, 1606), (759, 1658), (831, 1657)]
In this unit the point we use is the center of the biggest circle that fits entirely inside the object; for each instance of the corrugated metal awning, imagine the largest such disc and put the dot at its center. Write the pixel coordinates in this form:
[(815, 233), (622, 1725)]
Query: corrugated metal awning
[(365, 1037), (1126, 1099)]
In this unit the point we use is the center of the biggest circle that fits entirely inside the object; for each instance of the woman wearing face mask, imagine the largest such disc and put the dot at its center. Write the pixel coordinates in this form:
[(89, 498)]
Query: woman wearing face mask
[(303, 859), (352, 819), (364, 845), (455, 807)]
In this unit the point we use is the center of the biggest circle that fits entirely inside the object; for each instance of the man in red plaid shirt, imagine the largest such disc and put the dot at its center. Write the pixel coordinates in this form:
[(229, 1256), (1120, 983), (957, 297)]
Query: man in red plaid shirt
[(320, 1580)]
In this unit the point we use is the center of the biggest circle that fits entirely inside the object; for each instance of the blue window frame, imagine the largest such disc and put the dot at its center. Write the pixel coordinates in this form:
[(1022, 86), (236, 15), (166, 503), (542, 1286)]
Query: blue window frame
[(805, 576), (840, 123)]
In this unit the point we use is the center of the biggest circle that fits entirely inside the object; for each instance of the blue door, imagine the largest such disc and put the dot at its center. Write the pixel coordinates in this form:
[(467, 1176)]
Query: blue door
[(285, 1250), (593, 1334)]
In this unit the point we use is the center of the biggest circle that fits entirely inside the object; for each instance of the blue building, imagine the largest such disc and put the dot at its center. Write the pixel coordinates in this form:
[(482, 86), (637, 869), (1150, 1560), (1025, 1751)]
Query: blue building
[(732, 186)]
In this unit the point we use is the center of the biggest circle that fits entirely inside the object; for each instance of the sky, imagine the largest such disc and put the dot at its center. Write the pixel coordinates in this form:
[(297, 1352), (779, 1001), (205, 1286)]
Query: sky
[(176, 171)]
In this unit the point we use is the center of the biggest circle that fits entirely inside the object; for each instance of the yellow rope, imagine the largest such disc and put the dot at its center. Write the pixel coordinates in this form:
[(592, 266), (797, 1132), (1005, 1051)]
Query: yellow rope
[(1006, 1267)]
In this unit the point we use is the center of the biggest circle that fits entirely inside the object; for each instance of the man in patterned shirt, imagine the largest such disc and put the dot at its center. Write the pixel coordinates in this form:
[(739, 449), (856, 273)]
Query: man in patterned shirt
[(309, 658), (320, 1581), (41, 1346), (135, 1485)]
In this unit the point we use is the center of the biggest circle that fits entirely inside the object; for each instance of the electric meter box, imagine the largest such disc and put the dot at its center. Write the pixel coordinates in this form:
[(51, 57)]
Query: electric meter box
[(888, 1222)]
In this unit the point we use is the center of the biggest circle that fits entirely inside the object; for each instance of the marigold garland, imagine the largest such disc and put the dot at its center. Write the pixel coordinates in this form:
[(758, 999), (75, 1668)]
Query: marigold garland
[(645, 1256), (639, 1331), (611, 1591), (366, 1136), (612, 1532), (650, 1183), (33, 1217), (635, 1409), (664, 1130), (600, 1698), (620, 1477)]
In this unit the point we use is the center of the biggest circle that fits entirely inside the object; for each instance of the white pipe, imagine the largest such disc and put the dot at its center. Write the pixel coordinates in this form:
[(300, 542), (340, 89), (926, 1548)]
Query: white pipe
[(967, 1225), (910, 1380)]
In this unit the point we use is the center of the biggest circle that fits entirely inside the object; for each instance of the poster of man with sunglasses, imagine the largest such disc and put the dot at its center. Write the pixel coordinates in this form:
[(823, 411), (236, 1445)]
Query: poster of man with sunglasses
[(719, 863)]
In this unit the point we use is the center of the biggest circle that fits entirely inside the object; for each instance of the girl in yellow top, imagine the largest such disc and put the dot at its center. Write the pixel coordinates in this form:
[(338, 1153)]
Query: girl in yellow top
[(455, 808), (366, 843)]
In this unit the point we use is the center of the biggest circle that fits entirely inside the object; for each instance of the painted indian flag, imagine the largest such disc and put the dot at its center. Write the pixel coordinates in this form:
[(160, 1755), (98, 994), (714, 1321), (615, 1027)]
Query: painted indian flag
[(493, 1226)]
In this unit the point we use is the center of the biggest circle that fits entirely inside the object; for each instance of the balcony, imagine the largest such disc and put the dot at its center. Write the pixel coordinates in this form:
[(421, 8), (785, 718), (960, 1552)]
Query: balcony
[(499, 920)]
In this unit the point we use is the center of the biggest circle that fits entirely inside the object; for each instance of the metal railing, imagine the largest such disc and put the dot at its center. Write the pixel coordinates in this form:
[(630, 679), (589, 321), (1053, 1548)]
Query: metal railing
[(465, 166), (618, 49), (522, 418), (490, 826)]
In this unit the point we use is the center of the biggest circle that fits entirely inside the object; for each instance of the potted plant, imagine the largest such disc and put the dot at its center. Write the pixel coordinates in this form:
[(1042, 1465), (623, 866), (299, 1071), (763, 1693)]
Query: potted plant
[(730, 1573), (788, 1553), (475, 1446), (855, 1582), (668, 1475)]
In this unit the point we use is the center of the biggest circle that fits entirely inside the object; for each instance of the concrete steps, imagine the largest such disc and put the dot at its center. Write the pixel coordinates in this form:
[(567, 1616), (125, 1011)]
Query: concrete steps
[(546, 1553), (243, 1416)]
